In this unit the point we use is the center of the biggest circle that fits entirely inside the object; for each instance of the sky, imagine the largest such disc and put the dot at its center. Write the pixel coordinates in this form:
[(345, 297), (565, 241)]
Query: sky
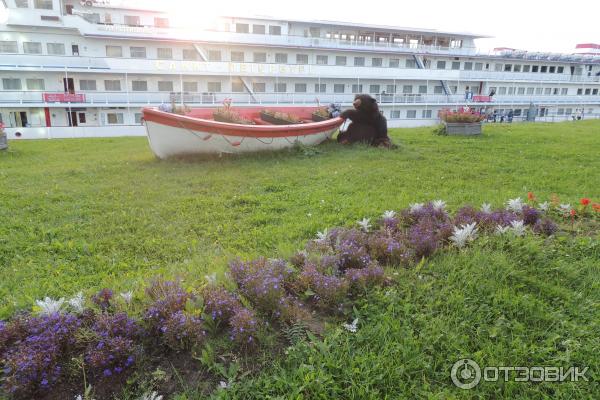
[(534, 25)]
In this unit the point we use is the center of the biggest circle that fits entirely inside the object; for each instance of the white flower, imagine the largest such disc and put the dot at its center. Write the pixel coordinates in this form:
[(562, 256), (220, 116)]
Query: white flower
[(151, 396), (515, 205), (565, 208), (127, 296), (415, 207), (211, 279), (439, 205), (365, 224), (389, 214), (464, 234), (223, 385), (517, 227), (351, 327), (50, 306), (322, 236), (77, 303), (545, 206), (79, 397), (486, 208), (501, 230)]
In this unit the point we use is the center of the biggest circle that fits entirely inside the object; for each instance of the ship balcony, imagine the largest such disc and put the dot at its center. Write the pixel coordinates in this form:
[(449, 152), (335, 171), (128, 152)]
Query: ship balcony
[(74, 64), (142, 99)]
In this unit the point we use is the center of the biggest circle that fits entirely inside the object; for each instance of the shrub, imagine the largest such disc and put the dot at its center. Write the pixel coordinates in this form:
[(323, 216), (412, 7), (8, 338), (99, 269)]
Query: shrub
[(326, 291), (361, 279), (351, 249), (102, 299), (219, 303), (388, 249), (530, 215), (545, 227), (244, 327)]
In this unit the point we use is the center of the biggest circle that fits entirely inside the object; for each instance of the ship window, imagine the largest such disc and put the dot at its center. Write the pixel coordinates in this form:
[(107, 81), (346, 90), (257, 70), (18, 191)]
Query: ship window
[(114, 118), (56, 49), (391, 89), (11, 84), (530, 90), (242, 28), (93, 18), (281, 58), (410, 63), (359, 61), (501, 90), (320, 87), (339, 88), (258, 29), (161, 22), (517, 68), (478, 66), (521, 91), (555, 91), (453, 89), (165, 86), (511, 90), (357, 88), (164, 53), (588, 92), (377, 62), (214, 55), (507, 67), (87, 84), (595, 92), (548, 91), (137, 52), (315, 32), (374, 89), (407, 89), (526, 68), (438, 90), (395, 114), (498, 67), (35, 84), (190, 54), (82, 118), (112, 85), (568, 111), (237, 87), (455, 65), (394, 62), (42, 4), (138, 118), (237, 56), (426, 114), (441, 65), (538, 90), (274, 30), (560, 70), (468, 66), (214, 87), (280, 87), (22, 3), (564, 91), (114, 51), (552, 69), (260, 57), (544, 68), (300, 87), (340, 60), (423, 89), (411, 114), (560, 111), (322, 60), (301, 58), (139, 86), (32, 47), (132, 20), (9, 47), (190, 87), (535, 68)]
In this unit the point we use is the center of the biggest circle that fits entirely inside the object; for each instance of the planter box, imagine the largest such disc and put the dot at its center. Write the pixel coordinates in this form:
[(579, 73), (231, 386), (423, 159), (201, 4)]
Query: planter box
[(3, 142), (459, 128), (276, 121), (318, 118)]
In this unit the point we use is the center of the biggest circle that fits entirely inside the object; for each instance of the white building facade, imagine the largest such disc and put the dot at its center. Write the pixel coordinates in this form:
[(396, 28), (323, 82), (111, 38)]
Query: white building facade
[(78, 69)]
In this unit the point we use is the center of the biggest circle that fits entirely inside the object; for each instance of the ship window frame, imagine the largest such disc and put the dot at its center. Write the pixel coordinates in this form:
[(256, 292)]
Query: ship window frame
[(357, 88), (455, 66), (302, 56), (142, 86), (300, 88), (29, 46), (119, 118), (440, 64), (280, 87), (89, 85), (468, 66), (394, 63), (192, 89), (111, 48), (275, 30), (165, 86), (132, 20), (526, 68), (161, 22), (7, 84), (22, 3), (109, 82), (168, 56), (426, 114), (61, 46), (259, 57), (320, 88), (242, 28), (281, 58), (255, 26), (377, 64), (214, 55), (14, 47), (374, 88), (359, 61), (322, 59), (30, 84), (411, 114), (214, 87), (337, 86), (339, 59), (235, 56), (238, 89), (43, 5), (138, 51), (185, 55)]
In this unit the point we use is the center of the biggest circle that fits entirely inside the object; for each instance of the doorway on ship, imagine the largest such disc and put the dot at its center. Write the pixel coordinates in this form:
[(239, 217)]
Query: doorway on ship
[(72, 117), (18, 119), (69, 85)]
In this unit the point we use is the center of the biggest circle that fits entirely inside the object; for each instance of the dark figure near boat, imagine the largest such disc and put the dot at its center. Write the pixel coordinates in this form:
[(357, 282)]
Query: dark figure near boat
[(368, 124)]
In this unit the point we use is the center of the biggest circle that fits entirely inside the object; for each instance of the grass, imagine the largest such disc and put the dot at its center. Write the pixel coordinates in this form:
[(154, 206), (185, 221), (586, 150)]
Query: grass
[(86, 214)]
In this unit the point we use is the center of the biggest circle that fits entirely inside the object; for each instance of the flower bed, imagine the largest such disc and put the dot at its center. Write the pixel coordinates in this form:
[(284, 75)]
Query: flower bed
[(112, 335), (462, 122)]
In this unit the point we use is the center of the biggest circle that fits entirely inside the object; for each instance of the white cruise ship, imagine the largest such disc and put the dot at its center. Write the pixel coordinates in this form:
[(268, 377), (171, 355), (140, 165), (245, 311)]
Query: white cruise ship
[(87, 68)]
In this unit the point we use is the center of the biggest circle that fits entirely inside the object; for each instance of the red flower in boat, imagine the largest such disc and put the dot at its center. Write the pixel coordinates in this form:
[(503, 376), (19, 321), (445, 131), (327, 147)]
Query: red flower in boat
[(531, 196), (585, 202)]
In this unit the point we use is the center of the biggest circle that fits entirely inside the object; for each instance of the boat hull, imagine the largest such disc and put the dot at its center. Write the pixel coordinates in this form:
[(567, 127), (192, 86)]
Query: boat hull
[(172, 135)]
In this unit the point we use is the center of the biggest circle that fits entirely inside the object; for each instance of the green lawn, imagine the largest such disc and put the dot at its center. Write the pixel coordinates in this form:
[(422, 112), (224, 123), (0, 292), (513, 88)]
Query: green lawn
[(90, 213)]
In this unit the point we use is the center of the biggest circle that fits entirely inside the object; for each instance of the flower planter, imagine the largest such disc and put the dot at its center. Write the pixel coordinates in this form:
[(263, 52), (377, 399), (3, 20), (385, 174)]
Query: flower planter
[(462, 128), (269, 117), (316, 117), (3, 142)]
